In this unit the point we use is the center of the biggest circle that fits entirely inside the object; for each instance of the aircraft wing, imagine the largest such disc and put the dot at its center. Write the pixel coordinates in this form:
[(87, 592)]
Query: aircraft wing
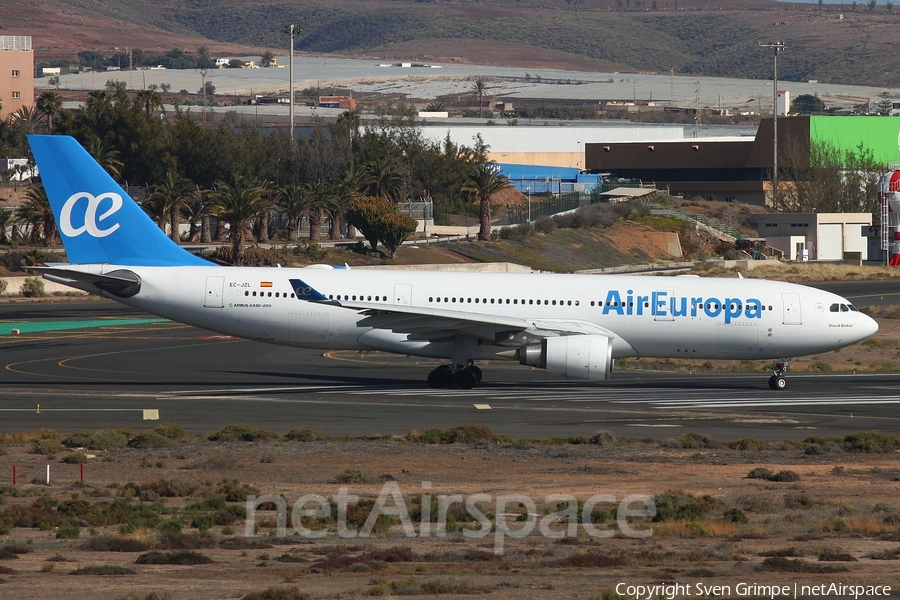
[(436, 324)]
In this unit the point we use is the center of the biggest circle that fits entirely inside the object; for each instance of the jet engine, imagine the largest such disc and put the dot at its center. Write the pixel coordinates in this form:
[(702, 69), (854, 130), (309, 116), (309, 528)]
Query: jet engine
[(576, 356)]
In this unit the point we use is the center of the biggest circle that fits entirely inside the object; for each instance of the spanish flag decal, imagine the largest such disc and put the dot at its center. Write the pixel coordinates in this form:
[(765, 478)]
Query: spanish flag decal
[(265, 284)]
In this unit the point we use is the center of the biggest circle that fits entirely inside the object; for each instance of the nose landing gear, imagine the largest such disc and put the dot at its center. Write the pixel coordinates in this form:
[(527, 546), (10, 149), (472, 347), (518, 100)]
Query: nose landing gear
[(777, 381)]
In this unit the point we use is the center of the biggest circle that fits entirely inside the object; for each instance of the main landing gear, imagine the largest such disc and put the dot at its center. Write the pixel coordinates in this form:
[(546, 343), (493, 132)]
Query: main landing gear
[(462, 377), (777, 380)]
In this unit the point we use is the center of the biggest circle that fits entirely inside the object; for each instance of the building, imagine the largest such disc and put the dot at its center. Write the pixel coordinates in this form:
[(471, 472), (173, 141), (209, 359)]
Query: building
[(551, 145), (740, 168), (16, 73), (342, 102), (815, 236)]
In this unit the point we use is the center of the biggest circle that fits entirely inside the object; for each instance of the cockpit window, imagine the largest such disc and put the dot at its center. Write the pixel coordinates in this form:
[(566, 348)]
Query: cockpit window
[(837, 307)]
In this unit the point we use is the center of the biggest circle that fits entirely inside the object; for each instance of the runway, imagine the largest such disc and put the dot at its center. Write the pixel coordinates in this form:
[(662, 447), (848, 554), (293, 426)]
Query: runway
[(109, 376)]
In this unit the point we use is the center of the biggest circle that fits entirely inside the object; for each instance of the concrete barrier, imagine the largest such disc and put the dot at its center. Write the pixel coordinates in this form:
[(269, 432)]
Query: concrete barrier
[(14, 285)]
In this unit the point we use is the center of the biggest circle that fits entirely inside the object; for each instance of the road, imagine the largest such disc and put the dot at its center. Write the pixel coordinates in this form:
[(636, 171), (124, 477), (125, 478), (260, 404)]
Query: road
[(108, 376)]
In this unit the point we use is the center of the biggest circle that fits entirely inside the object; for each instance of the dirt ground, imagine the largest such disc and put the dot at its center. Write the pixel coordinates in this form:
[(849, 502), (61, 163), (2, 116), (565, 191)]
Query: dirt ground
[(838, 522)]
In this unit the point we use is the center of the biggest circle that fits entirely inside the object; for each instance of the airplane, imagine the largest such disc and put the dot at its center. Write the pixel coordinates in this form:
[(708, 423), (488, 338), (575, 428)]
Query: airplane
[(571, 325)]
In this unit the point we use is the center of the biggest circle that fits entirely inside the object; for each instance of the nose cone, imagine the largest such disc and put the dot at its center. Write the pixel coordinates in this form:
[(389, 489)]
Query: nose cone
[(867, 327)]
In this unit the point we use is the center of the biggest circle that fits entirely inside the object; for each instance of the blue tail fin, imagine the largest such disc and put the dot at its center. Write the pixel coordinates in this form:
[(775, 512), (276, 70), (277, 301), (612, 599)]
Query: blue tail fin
[(98, 222)]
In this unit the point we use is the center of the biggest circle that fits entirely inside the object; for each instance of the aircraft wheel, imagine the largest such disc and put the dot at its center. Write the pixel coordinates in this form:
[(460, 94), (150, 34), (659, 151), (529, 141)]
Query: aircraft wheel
[(466, 379), (477, 372), (777, 382), (440, 377)]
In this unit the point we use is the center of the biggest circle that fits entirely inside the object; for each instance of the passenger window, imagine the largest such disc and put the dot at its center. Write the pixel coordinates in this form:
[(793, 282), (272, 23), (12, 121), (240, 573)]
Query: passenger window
[(254, 294), (246, 293)]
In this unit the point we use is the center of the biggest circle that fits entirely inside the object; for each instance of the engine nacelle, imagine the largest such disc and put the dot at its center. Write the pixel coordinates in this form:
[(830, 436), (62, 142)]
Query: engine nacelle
[(576, 356)]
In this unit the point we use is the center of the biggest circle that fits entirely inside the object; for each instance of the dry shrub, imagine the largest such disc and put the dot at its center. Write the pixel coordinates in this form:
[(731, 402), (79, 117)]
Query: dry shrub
[(103, 570), (273, 593), (187, 557), (111, 543), (779, 564), (591, 560)]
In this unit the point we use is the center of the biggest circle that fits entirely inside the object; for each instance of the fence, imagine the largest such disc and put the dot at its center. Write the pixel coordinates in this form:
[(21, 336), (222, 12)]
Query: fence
[(699, 218), (516, 215)]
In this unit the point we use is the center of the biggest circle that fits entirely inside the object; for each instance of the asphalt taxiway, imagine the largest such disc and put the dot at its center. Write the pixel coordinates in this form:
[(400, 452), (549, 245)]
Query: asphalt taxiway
[(124, 369)]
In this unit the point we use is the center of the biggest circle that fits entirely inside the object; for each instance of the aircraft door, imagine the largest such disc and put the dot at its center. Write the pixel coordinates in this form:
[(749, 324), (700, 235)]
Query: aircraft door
[(215, 288), (791, 309), (402, 294)]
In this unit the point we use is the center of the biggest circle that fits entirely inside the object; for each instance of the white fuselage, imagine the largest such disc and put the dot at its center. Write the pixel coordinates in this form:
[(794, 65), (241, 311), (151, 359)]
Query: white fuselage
[(667, 317)]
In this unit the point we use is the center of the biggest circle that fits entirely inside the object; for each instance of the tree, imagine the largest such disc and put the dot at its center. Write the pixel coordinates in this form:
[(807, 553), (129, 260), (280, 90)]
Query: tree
[(106, 156), (394, 228), (884, 104), (380, 221), (385, 180), (49, 103), (806, 104), (36, 213), (6, 219), (237, 204), (267, 59), (484, 181), (150, 100), (293, 202), (479, 88), (172, 193), (319, 196)]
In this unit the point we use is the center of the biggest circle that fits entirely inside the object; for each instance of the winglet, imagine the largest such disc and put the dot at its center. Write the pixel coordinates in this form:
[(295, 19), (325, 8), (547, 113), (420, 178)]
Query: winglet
[(98, 222), (306, 292)]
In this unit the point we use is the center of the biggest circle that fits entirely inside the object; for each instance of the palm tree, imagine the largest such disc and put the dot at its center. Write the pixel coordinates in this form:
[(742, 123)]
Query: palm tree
[(171, 194), (319, 197), (150, 100), (484, 181), (106, 156), (193, 210), (49, 103), (294, 203), (237, 204), (385, 181), (479, 88), (6, 220), (36, 213), (25, 121), (351, 186)]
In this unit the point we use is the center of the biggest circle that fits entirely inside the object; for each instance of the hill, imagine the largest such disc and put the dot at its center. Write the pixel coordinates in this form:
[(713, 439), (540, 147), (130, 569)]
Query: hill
[(834, 44)]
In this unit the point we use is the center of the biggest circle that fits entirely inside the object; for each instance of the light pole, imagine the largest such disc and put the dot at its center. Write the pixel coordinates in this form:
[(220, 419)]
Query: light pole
[(776, 47), (291, 29), (528, 189)]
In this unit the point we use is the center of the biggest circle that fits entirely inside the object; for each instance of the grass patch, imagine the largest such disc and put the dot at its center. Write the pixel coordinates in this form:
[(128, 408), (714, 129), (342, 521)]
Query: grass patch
[(461, 434), (305, 433), (105, 439), (239, 432)]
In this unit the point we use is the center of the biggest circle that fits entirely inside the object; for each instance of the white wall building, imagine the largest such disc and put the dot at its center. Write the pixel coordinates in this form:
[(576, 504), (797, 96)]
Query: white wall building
[(555, 146), (823, 236)]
